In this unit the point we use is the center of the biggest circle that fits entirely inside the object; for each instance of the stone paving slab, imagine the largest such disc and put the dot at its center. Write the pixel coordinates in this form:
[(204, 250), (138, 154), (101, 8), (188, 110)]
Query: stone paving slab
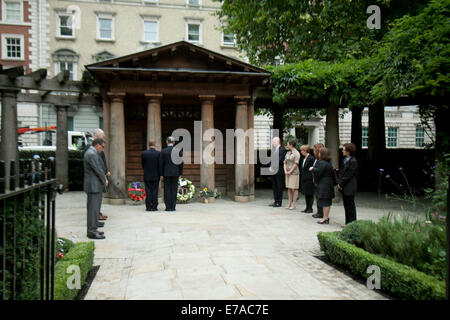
[(221, 250)]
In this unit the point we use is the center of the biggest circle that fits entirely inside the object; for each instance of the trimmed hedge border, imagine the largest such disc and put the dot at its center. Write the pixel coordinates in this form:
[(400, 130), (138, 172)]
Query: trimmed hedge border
[(82, 255), (398, 279)]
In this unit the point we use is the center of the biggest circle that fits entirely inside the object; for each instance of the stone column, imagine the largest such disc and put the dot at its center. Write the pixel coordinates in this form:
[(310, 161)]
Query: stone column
[(117, 180), (242, 193), (154, 119), (107, 126), (251, 149), (8, 145), (154, 127), (207, 172), (62, 151), (332, 139)]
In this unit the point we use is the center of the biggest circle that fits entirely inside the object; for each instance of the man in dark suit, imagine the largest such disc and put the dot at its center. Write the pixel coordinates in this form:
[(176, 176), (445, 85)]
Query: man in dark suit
[(150, 164), (95, 183), (306, 178), (171, 168), (347, 181), (277, 171)]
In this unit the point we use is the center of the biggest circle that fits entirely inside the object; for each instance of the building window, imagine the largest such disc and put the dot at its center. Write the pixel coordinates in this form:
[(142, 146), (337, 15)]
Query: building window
[(228, 39), (150, 31), (69, 123), (65, 28), (193, 32), (12, 47), (66, 59), (365, 137), (194, 3), (12, 11), (420, 137), (392, 137), (105, 26)]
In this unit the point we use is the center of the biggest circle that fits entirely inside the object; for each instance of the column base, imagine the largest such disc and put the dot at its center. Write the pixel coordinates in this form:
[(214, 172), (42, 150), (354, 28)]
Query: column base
[(252, 197), (242, 198)]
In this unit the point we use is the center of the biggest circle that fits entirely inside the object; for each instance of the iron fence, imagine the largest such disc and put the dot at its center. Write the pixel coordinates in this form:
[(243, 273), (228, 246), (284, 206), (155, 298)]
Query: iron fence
[(27, 229)]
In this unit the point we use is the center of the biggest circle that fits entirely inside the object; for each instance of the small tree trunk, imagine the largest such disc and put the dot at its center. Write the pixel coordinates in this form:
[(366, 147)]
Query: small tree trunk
[(356, 137), (278, 112)]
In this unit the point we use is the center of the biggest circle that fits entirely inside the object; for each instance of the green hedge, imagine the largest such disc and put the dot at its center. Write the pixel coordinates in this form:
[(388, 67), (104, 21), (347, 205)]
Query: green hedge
[(82, 255), (400, 280)]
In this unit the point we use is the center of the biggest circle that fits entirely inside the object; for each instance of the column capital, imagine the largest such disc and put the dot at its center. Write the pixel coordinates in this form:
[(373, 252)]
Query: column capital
[(153, 96), (9, 93), (116, 96), (241, 99), (204, 97)]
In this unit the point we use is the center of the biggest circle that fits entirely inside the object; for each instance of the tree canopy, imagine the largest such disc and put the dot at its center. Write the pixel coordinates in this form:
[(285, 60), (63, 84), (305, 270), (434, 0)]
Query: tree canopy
[(327, 30)]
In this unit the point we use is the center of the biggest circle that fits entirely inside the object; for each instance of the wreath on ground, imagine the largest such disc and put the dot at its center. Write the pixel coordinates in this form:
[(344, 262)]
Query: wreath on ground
[(136, 191), (186, 190)]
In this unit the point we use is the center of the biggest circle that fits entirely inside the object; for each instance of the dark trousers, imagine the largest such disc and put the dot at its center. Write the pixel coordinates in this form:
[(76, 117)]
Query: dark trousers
[(94, 201), (170, 192), (277, 188), (319, 209), (309, 202), (350, 208), (151, 191)]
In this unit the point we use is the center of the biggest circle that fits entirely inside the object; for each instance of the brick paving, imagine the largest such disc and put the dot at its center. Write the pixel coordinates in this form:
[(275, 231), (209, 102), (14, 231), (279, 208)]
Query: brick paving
[(220, 250)]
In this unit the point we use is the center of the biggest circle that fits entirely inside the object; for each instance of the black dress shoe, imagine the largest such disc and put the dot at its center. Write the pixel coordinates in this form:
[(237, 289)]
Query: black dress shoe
[(101, 233), (317, 216), (95, 236), (307, 211), (277, 205), (272, 204), (100, 224)]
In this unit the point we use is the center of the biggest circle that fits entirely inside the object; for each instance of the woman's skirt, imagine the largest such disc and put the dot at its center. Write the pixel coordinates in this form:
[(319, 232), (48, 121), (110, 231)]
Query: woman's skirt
[(324, 202), (292, 181)]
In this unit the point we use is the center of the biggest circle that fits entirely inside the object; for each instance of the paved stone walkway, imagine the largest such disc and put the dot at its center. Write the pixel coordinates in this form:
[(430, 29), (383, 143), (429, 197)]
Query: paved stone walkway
[(221, 250)]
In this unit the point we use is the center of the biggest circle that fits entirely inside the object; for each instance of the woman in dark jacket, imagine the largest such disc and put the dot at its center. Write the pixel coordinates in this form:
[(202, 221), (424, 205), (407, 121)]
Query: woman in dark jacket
[(324, 175), (347, 181), (306, 178)]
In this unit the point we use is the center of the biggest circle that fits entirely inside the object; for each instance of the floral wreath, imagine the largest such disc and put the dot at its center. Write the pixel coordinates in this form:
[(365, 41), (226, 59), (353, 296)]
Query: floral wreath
[(136, 191), (186, 190)]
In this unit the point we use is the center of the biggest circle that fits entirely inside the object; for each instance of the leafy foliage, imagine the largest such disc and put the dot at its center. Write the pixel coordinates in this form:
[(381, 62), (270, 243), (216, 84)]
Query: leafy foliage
[(398, 279), (329, 30), (420, 245)]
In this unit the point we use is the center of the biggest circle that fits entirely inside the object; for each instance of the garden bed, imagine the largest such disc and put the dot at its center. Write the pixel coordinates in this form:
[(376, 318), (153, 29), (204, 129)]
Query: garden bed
[(80, 255), (397, 279)]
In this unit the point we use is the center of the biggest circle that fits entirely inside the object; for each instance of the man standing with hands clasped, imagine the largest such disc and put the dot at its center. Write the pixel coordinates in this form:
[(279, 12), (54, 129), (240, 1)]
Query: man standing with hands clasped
[(95, 182), (150, 164), (171, 168)]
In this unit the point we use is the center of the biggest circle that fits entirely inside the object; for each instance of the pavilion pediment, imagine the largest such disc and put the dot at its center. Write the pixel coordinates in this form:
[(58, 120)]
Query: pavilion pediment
[(177, 56)]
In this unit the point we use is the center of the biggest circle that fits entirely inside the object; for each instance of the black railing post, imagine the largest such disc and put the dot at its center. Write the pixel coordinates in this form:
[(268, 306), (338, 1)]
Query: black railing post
[(3, 204), (52, 270), (47, 244), (13, 293), (2, 176), (21, 174), (12, 176)]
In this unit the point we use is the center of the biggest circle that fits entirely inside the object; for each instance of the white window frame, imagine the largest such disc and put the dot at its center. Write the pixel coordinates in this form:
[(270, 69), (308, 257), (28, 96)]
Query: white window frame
[(110, 16), (194, 5), (423, 137), (4, 46), (58, 27), (200, 33), (4, 11), (396, 137), (150, 19), (364, 137), (74, 68), (228, 44)]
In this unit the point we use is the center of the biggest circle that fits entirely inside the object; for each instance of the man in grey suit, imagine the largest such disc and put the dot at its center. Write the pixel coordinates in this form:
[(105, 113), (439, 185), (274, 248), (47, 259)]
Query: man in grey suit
[(95, 183)]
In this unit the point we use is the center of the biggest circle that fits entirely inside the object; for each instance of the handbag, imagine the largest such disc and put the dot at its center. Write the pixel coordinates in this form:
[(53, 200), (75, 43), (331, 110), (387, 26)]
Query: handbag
[(335, 177)]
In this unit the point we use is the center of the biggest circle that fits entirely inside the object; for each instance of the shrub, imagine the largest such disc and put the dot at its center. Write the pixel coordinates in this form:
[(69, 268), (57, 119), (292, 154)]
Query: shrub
[(81, 255), (400, 280), (355, 231)]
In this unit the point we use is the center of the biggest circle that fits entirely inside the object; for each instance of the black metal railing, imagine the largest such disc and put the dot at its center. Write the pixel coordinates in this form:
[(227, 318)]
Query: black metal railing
[(27, 224)]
